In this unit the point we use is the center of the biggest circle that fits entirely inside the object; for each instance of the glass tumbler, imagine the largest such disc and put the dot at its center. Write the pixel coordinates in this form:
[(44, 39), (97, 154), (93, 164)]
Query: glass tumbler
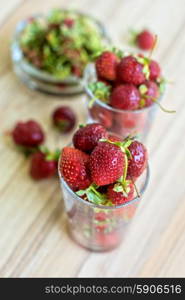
[(121, 122), (96, 227)]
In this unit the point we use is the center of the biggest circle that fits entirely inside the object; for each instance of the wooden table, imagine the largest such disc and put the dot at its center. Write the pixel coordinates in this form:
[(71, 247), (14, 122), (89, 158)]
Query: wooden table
[(33, 237)]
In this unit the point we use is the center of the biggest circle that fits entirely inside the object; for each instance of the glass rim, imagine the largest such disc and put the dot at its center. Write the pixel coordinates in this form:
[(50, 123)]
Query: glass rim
[(147, 170), (101, 103), (43, 74)]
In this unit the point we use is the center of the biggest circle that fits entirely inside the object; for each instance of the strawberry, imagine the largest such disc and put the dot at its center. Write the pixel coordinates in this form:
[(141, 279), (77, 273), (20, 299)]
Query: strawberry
[(107, 163), (64, 119), (28, 134), (106, 65), (107, 240), (138, 161), (145, 40), (74, 168), (101, 115), (129, 70), (69, 22), (76, 70), (125, 96), (114, 138), (118, 198), (155, 70), (42, 167), (129, 123), (150, 93), (86, 138)]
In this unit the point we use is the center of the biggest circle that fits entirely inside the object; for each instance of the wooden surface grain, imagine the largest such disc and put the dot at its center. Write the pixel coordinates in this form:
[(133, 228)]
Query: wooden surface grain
[(33, 237)]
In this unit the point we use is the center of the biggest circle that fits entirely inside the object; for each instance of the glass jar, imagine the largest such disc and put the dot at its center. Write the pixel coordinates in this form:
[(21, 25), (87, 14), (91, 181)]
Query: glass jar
[(121, 122), (97, 227), (40, 80)]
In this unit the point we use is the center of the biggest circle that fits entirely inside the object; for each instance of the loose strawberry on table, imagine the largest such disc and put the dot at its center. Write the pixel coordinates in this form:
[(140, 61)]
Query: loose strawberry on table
[(43, 165), (145, 40), (64, 119), (28, 134)]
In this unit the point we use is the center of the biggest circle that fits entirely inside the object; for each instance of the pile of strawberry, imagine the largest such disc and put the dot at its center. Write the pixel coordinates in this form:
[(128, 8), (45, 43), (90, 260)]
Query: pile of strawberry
[(127, 82), (29, 137), (102, 168)]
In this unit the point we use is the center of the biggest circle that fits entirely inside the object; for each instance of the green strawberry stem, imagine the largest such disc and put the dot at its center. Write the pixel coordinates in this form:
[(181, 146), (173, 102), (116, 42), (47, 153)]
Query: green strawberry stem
[(27, 151), (54, 155), (136, 189), (93, 195), (125, 170), (91, 102), (159, 104), (153, 47)]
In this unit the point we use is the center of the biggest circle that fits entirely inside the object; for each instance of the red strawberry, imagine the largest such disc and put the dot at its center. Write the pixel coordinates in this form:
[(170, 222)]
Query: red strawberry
[(145, 40), (107, 240), (138, 161), (28, 134), (74, 168), (69, 22), (107, 163), (64, 119), (155, 70), (129, 123), (76, 70), (41, 167), (129, 70), (114, 138), (118, 198), (101, 115), (86, 138), (106, 65), (151, 93), (125, 96)]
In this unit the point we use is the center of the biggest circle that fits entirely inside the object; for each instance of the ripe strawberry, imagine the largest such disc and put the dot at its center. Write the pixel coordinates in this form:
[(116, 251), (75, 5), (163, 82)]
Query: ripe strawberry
[(101, 115), (41, 167), (125, 96), (129, 124), (145, 40), (107, 240), (64, 119), (86, 138), (152, 92), (129, 70), (69, 22), (76, 70), (106, 65), (107, 163), (138, 161), (28, 134), (114, 138), (118, 198), (155, 70), (74, 168)]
